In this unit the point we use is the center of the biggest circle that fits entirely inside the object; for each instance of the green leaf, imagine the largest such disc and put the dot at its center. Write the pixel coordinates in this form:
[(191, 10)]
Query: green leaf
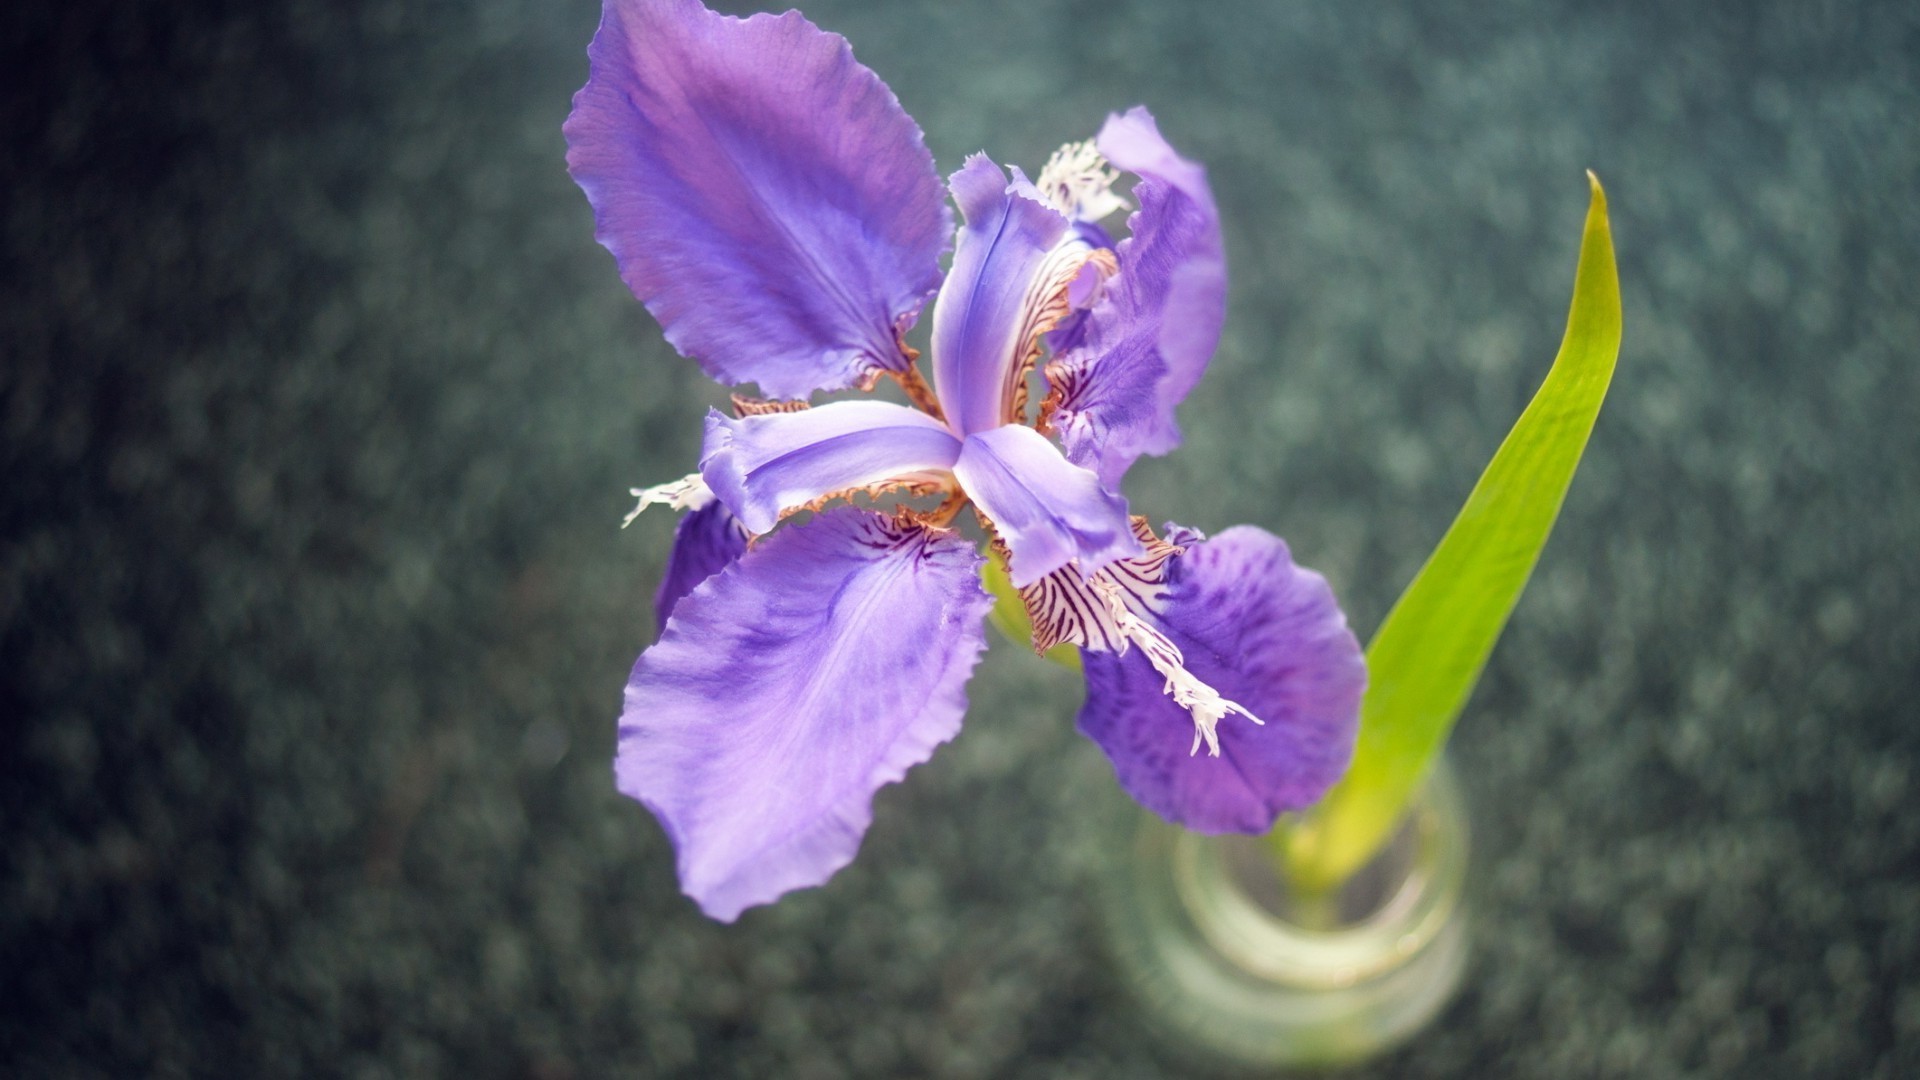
[(1424, 661), (1009, 615)]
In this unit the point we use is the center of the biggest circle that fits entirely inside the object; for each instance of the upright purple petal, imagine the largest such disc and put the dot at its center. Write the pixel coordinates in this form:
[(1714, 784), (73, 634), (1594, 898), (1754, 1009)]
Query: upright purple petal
[(763, 193), (788, 688), (1048, 510), (764, 465), (1121, 372), (1005, 289), (1262, 632), (706, 542)]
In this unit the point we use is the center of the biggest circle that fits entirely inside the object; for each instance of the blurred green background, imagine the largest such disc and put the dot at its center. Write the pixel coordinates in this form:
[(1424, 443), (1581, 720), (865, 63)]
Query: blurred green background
[(318, 407)]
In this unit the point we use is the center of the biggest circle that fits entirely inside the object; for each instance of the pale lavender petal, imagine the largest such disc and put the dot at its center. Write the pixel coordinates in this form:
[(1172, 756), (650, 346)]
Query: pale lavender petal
[(1263, 632), (788, 688), (762, 193), (1118, 374), (1048, 510), (1000, 295), (708, 541), (762, 466)]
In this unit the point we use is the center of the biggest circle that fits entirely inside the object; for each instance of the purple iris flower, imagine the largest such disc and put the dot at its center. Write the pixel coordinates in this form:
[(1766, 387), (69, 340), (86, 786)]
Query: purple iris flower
[(775, 209)]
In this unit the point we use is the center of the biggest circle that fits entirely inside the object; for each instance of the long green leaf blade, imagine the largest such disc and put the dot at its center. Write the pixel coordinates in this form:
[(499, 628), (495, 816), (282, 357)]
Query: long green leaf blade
[(1428, 654)]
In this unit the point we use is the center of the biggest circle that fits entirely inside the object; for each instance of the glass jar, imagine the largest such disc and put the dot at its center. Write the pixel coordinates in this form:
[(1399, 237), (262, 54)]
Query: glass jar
[(1225, 959)]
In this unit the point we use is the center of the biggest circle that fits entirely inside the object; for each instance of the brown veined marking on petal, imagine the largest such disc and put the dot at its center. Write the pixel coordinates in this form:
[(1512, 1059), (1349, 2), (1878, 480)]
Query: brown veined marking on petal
[(1060, 378), (1044, 312), (919, 394), (935, 520), (1066, 607), (993, 536), (912, 487), (940, 517), (1063, 383), (753, 406), (1004, 554)]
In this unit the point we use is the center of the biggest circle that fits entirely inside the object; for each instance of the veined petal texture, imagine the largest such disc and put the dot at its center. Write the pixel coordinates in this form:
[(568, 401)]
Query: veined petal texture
[(706, 542), (765, 465), (1264, 633), (1148, 339), (788, 688), (1007, 267), (1048, 510), (763, 193)]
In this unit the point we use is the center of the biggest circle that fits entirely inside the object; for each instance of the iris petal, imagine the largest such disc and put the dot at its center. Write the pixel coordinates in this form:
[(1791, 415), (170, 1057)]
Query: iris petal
[(788, 688), (1008, 285), (706, 542), (1262, 632), (1120, 372), (1047, 510), (763, 193), (766, 465)]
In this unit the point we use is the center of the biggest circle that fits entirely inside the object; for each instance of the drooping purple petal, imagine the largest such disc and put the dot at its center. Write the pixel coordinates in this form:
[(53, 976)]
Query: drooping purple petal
[(1119, 374), (763, 193), (1264, 633), (788, 688), (706, 542), (1047, 509), (1004, 290), (761, 466)]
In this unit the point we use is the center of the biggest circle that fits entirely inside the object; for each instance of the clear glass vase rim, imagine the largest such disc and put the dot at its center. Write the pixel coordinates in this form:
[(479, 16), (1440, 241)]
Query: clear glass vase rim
[(1269, 946)]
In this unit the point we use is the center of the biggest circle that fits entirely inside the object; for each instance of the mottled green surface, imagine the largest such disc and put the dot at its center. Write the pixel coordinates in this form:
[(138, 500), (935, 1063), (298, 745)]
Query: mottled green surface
[(318, 407)]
